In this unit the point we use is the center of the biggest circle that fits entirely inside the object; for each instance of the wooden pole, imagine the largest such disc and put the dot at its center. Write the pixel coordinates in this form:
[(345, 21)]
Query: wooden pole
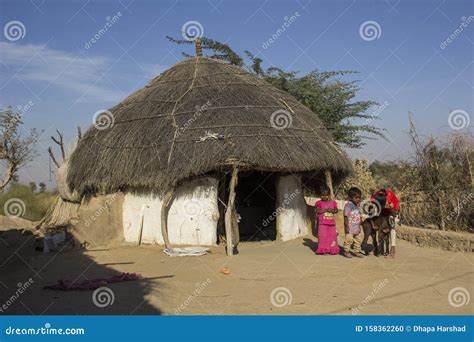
[(221, 206), (198, 46), (329, 182), (229, 215), (142, 215), (167, 199)]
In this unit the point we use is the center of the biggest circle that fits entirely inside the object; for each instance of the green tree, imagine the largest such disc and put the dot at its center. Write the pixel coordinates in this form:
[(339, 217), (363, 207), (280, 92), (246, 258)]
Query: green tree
[(42, 187), (16, 148), (33, 186), (324, 92)]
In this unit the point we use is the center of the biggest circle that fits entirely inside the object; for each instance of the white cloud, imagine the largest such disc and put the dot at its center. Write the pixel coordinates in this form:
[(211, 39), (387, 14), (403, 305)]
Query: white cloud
[(77, 73)]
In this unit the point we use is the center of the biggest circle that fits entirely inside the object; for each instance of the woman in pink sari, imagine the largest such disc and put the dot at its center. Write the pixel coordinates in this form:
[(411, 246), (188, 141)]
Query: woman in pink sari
[(327, 235)]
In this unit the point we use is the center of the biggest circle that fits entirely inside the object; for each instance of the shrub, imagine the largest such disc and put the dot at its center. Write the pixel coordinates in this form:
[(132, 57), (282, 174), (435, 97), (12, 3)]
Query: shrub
[(35, 203)]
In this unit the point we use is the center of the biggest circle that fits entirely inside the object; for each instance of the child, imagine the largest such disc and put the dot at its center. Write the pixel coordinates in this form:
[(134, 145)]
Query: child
[(352, 224), (327, 236)]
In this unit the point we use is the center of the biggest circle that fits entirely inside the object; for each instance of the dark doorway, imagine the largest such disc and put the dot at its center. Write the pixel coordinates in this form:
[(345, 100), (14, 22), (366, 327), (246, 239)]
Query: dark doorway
[(256, 205)]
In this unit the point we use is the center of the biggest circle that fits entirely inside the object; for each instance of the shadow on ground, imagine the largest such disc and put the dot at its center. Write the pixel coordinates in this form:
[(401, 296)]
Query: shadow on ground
[(24, 272)]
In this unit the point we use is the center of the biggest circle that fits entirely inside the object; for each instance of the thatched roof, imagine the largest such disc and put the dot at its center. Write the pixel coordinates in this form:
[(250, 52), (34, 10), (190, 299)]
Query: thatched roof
[(200, 116)]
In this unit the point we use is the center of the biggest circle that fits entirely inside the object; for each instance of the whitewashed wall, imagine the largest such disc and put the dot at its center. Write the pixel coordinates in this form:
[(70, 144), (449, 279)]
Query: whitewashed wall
[(291, 208), (192, 218)]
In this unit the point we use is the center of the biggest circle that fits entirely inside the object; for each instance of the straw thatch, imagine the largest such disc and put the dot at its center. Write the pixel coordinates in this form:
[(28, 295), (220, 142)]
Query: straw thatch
[(63, 188), (201, 116)]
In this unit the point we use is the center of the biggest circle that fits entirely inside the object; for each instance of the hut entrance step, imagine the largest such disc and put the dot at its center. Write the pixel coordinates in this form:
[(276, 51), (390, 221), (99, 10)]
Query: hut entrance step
[(255, 203)]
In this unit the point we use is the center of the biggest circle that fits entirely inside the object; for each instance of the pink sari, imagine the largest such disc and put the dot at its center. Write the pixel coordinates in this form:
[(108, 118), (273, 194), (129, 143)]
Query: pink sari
[(327, 236)]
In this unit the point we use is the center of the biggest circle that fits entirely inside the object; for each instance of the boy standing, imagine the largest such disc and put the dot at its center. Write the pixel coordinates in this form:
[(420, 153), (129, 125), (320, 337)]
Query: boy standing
[(352, 224)]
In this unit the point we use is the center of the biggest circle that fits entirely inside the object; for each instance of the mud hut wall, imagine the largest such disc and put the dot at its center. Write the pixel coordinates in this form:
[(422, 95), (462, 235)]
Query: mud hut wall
[(99, 220), (192, 218), (291, 208)]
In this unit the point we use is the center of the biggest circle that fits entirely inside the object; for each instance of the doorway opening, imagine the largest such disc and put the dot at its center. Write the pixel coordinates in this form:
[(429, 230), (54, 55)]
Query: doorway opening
[(255, 204)]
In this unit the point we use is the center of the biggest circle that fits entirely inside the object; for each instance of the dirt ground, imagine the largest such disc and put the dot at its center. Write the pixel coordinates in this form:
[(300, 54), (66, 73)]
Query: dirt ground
[(418, 281)]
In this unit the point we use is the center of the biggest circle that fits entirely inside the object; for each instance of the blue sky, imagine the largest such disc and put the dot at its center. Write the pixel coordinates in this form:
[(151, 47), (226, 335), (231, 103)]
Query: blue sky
[(405, 66)]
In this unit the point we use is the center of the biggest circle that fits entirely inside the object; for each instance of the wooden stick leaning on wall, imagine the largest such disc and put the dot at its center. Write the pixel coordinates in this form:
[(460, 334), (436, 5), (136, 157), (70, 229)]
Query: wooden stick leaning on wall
[(167, 199), (329, 182), (229, 214)]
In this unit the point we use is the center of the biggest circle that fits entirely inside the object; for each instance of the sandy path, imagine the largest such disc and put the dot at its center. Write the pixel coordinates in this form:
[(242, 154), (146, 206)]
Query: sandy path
[(416, 282)]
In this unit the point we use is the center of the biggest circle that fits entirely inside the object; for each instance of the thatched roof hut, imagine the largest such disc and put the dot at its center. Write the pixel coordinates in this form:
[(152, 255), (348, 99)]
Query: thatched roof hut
[(201, 116), (201, 134)]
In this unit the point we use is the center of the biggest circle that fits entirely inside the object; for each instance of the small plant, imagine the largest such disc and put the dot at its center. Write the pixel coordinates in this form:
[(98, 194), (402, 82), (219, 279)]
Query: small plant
[(35, 204)]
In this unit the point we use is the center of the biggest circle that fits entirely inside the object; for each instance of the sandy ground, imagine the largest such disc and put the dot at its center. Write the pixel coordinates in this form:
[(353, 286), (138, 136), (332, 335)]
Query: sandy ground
[(418, 281)]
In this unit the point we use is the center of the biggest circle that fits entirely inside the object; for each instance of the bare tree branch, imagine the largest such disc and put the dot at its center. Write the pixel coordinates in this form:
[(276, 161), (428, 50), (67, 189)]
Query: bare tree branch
[(51, 154), (60, 143)]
